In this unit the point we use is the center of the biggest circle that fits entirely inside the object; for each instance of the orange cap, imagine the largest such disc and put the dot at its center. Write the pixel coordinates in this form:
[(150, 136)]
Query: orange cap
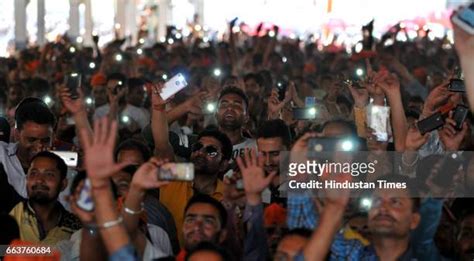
[(274, 214), (98, 79)]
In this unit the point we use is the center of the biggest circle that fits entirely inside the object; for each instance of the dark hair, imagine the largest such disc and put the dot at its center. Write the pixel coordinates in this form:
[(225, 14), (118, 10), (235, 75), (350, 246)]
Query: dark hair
[(39, 85), (411, 188), (60, 164), (206, 199), (275, 129), (210, 247), (135, 83), (302, 232), (236, 91), (222, 138), (117, 76), (347, 124), (256, 77), (132, 144), (35, 110), (9, 228)]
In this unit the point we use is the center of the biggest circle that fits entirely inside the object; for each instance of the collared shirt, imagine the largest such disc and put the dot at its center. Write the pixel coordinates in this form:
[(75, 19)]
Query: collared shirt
[(176, 195), (32, 231), (12, 166), (126, 253)]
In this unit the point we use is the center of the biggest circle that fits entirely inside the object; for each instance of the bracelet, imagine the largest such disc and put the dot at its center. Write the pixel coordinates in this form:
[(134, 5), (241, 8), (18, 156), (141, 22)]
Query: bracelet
[(409, 165), (112, 223), (134, 212), (160, 108)]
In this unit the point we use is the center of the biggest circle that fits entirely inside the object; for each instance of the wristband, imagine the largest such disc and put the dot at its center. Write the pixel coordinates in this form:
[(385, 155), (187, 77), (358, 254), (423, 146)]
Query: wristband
[(134, 212), (160, 108), (112, 223)]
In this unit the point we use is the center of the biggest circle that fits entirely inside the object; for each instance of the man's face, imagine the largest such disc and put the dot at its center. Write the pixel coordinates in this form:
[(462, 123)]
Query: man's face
[(33, 138), (131, 156), (270, 149), (100, 95), (122, 180), (207, 156), (43, 181), (335, 129), (465, 246), (359, 224), (252, 88), (136, 96), (231, 112), (392, 214), (289, 247), (202, 224)]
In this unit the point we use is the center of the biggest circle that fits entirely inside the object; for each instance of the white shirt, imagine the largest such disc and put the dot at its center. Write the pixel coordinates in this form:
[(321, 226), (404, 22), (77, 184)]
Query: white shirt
[(139, 115)]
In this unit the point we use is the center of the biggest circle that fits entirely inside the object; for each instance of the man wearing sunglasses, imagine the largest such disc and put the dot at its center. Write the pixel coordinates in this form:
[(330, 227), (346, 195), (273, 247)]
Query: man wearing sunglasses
[(210, 156)]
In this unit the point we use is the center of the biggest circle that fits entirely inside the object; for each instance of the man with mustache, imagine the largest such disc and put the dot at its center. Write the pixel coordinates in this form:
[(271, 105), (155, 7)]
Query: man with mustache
[(205, 219), (41, 218), (34, 123), (210, 156)]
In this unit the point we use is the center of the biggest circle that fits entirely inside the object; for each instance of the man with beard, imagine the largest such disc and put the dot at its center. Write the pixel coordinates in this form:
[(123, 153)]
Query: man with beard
[(465, 244), (272, 138), (34, 124), (232, 114), (210, 156), (205, 219), (41, 218)]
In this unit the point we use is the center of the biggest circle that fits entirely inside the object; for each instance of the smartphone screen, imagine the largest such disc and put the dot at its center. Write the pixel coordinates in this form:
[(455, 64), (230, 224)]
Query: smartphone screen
[(73, 83), (85, 200), (378, 119), (173, 86), (176, 172), (304, 113), (69, 157)]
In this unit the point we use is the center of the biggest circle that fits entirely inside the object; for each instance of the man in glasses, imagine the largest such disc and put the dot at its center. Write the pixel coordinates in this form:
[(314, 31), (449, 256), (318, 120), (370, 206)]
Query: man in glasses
[(210, 156)]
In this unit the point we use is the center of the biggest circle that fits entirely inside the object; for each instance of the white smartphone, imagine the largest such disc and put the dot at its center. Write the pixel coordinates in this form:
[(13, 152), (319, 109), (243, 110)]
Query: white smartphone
[(70, 157), (85, 200), (176, 172), (174, 85), (378, 119), (465, 19)]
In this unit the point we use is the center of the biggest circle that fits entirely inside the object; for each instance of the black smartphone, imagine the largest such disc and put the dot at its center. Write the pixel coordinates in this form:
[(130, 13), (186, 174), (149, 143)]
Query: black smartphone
[(304, 113), (73, 83), (431, 123), (282, 86), (459, 115), (333, 144), (117, 87), (456, 85)]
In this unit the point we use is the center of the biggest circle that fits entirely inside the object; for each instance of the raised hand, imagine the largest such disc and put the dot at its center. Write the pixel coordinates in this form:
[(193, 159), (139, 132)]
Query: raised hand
[(86, 217), (436, 97), (450, 137), (146, 177), (414, 140), (99, 151), (72, 105), (360, 96), (253, 176), (463, 42), (388, 82)]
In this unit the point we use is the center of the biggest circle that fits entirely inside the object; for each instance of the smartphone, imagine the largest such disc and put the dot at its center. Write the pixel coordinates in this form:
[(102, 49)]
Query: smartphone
[(378, 119), (332, 144), (309, 101), (431, 123), (456, 85), (174, 85), (209, 108), (85, 200), (69, 157), (459, 115), (282, 86), (465, 19), (118, 87), (73, 83), (176, 172), (304, 113)]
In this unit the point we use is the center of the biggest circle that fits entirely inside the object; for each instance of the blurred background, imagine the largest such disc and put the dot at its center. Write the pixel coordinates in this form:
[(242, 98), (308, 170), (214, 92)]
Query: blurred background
[(34, 22)]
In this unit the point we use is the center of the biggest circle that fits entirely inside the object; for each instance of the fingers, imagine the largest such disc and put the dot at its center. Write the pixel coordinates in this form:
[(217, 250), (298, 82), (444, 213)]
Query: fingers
[(253, 157), (112, 134), (240, 163)]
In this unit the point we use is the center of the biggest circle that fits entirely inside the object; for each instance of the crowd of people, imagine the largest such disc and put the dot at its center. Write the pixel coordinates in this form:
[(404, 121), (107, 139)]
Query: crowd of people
[(233, 121)]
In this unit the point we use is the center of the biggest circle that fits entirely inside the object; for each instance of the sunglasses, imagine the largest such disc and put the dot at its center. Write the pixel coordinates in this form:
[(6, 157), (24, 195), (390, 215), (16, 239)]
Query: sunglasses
[(210, 150)]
